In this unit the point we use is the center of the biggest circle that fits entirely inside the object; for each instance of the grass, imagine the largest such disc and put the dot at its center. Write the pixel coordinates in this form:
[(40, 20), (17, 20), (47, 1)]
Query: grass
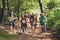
[(5, 36)]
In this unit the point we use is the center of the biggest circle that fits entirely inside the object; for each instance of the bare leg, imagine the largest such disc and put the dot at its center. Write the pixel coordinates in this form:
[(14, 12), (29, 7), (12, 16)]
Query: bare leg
[(34, 30), (11, 29)]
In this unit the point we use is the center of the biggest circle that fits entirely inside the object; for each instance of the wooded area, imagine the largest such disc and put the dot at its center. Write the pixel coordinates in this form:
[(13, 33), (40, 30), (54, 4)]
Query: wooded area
[(51, 8)]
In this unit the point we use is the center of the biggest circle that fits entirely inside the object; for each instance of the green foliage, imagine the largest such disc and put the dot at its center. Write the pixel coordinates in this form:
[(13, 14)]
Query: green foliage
[(25, 5), (50, 23), (53, 19), (53, 11), (0, 3), (56, 15), (51, 5), (56, 28), (5, 36)]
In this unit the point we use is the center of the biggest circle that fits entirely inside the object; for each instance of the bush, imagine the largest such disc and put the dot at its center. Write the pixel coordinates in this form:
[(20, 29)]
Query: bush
[(56, 28), (50, 23), (51, 5)]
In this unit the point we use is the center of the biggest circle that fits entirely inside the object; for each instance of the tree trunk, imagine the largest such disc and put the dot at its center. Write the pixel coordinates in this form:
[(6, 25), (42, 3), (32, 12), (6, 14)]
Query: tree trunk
[(18, 8), (8, 5), (3, 6), (41, 7)]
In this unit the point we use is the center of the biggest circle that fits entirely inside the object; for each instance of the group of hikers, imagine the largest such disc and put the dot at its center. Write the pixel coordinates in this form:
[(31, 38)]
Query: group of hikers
[(25, 20)]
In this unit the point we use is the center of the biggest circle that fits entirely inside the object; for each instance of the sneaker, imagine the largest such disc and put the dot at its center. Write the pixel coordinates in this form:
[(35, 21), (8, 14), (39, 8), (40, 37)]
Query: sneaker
[(11, 32)]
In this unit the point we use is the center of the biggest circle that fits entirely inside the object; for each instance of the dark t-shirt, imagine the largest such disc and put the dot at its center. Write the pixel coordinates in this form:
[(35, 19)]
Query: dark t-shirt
[(42, 19), (31, 18)]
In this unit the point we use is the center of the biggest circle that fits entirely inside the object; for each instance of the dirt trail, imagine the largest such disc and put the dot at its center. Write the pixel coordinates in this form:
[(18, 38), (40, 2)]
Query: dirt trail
[(36, 37), (29, 36)]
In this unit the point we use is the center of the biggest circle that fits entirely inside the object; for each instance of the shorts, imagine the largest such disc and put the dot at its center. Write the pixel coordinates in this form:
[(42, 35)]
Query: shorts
[(24, 25), (34, 24), (11, 23)]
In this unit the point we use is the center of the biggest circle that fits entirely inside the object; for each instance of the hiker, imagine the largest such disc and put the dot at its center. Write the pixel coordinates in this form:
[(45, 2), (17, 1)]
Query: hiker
[(31, 20), (23, 24), (42, 22), (11, 21), (34, 24)]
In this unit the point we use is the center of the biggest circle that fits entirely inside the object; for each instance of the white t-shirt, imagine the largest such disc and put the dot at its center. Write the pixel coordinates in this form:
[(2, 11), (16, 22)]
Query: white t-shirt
[(23, 21)]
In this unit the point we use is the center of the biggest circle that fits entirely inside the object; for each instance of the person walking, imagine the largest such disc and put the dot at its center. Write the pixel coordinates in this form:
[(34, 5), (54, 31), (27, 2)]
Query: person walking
[(34, 24), (23, 24), (42, 22), (11, 21), (31, 20)]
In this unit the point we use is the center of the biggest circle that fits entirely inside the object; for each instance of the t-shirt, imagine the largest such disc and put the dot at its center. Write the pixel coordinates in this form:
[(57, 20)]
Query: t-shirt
[(23, 20), (10, 18), (31, 18), (42, 20)]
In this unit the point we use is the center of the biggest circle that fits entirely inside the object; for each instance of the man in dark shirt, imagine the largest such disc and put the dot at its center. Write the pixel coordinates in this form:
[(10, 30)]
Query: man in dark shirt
[(42, 22)]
